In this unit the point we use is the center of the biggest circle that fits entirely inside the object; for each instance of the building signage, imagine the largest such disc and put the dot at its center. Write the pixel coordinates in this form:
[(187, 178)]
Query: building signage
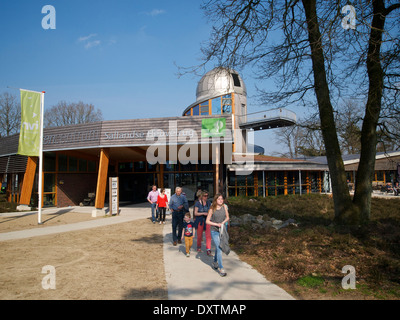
[(213, 127), (117, 135), (114, 195), (72, 137)]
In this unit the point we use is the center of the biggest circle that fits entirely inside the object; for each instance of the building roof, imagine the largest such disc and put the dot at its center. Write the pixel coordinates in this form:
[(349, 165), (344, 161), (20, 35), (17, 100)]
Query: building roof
[(253, 162), (219, 81), (355, 158)]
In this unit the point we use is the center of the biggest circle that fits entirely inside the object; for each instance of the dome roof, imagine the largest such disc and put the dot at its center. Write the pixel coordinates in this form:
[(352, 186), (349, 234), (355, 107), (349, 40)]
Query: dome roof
[(219, 81)]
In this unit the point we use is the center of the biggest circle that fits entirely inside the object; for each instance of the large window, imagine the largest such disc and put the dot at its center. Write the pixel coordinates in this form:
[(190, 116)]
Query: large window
[(218, 105), (276, 183)]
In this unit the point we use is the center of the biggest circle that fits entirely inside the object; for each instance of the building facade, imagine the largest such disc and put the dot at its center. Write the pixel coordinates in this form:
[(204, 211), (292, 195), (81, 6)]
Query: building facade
[(206, 147)]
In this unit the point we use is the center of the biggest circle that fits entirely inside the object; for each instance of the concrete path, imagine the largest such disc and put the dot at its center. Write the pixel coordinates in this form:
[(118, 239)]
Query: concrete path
[(127, 214), (195, 278), (190, 278)]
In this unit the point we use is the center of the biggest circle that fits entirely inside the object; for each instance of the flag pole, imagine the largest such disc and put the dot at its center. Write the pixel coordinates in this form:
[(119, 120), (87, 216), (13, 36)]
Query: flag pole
[(40, 191)]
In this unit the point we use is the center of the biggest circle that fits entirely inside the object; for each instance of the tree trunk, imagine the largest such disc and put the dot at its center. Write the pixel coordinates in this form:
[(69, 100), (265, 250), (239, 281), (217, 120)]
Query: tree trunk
[(345, 211), (366, 168)]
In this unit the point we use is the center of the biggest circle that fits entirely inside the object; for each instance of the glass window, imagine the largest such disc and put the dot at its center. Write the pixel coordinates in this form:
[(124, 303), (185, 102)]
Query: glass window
[(139, 166), (206, 181), (241, 180), (73, 164), (204, 109), (205, 167), (125, 166), (49, 183), (169, 182), (62, 162), (271, 178), (49, 162), (232, 180), (250, 180), (241, 191), (389, 176), (227, 103), (188, 167), (82, 165), (92, 166), (216, 105), (271, 191), (195, 110), (49, 200), (169, 166), (236, 81), (280, 178)]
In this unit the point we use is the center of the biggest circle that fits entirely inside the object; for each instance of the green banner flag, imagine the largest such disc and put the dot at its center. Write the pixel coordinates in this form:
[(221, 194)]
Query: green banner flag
[(214, 127), (29, 136)]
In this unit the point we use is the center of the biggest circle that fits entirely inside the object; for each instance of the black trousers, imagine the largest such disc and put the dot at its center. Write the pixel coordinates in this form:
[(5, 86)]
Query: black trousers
[(162, 213), (177, 222)]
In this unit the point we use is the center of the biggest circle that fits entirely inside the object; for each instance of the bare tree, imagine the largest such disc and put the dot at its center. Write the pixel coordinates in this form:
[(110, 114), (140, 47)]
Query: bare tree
[(313, 53), (301, 140), (10, 115), (290, 137), (348, 123), (64, 114)]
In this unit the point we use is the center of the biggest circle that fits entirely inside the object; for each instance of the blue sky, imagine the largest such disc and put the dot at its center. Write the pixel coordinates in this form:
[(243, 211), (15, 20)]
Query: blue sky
[(121, 56)]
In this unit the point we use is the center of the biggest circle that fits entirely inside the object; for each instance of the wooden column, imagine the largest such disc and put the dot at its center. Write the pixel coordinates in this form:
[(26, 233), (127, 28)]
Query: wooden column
[(102, 178), (161, 175), (217, 174), (285, 183), (29, 180)]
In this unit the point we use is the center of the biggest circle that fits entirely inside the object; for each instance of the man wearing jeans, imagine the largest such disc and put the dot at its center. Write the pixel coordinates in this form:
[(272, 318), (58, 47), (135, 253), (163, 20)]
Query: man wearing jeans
[(179, 206), (152, 198)]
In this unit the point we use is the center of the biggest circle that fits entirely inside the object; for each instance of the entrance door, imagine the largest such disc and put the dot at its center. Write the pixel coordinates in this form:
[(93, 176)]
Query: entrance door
[(135, 187)]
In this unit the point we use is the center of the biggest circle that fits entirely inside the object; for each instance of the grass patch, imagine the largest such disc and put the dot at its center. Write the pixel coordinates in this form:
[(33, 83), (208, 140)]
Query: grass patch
[(307, 260), (310, 281)]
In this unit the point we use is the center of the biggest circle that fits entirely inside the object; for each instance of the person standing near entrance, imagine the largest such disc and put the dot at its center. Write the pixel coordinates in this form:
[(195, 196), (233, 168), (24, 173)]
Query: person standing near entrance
[(152, 198), (162, 203), (179, 206), (201, 208)]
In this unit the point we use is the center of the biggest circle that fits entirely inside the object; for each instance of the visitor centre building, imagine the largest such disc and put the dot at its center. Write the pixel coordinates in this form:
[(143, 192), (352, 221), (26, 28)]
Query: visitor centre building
[(209, 146)]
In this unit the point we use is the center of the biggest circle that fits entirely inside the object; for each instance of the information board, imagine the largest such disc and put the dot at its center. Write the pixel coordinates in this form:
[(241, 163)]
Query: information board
[(114, 195)]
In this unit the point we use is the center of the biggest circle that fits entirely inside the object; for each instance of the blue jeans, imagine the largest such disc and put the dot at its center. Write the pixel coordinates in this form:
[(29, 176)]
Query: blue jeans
[(154, 214), (218, 251)]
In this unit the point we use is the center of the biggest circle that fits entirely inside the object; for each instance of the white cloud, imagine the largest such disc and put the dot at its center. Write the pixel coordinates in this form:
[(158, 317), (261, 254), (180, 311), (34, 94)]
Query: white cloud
[(92, 44), (85, 38), (156, 12), (89, 41)]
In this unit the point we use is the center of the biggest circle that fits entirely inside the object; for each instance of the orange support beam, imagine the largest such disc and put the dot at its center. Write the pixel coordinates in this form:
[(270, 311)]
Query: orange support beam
[(29, 179), (102, 178)]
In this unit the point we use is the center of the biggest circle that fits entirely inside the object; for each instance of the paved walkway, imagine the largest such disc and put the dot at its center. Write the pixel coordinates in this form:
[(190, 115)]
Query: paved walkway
[(242, 282)]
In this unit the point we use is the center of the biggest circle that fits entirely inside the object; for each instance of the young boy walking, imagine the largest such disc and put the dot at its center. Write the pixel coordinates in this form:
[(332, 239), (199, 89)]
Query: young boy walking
[(188, 233)]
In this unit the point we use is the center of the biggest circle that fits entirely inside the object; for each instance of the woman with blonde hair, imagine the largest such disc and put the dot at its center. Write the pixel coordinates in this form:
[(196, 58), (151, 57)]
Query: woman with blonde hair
[(217, 216), (201, 208)]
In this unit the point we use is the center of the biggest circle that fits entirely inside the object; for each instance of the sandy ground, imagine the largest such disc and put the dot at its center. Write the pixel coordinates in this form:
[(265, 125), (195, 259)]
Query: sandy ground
[(30, 220), (121, 261)]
